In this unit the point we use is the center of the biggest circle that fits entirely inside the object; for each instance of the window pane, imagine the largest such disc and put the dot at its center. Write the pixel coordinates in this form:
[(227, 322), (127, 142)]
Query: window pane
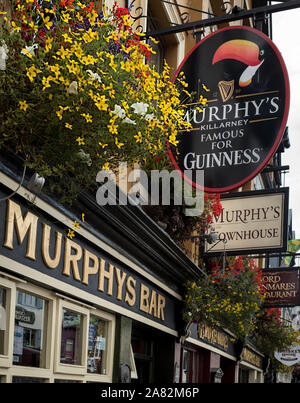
[(30, 334), (66, 381), (2, 318), (186, 366), (71, 338), (97, 346), (25, 379)]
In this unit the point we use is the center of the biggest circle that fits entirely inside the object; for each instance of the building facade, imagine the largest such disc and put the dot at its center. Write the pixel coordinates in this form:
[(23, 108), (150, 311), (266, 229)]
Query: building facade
[(105, 305)]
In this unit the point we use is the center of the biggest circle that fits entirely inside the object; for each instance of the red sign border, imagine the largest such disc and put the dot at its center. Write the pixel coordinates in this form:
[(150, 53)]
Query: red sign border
[(283, 123)]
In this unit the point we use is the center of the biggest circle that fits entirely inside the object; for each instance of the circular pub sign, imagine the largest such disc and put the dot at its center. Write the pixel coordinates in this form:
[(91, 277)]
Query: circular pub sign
[(242, 75)]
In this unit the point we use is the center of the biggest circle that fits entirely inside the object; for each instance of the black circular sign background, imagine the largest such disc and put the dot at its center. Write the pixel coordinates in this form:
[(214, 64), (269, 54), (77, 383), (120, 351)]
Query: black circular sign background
[(232, 139)]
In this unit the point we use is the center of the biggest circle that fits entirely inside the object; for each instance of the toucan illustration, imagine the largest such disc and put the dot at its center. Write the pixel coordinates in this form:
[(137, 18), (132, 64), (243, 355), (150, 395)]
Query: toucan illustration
[(244, 51)]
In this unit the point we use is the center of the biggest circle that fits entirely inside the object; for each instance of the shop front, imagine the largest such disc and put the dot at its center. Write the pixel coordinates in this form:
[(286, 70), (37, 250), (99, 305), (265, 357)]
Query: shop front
[(251, 365), (208, 356), (83, 308), (214, 356)]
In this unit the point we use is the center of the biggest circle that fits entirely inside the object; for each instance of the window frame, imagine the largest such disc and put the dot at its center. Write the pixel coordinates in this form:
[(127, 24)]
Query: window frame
[(110, 343), (10, 287), (75, 369), (49, 332), (52, 368), (71, 369)]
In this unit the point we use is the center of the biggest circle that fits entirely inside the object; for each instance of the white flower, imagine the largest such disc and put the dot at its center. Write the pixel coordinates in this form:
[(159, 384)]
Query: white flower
[(149, 116), (73, 88), (131, 122), (119, 111), (140, 108), (94, 76), (29, 49), (86, 158), (3, 55)]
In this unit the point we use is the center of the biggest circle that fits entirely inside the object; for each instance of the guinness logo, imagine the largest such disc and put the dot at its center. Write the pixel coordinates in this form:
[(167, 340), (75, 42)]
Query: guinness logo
[(226, 89)]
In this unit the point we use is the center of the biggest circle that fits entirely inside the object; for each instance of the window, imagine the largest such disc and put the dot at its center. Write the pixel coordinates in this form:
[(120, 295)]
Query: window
[(97, 345), (2, 318), (243, 375), (71, 338), (66, 381), (47, 337), (186, 366), (86, 340), (29, 346), (156, 59), (26, 379)]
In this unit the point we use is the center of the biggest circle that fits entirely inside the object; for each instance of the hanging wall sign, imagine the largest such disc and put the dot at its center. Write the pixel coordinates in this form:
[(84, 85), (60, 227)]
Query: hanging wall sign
[(251, 222), (282, 287), (243, 76), (288, 357)]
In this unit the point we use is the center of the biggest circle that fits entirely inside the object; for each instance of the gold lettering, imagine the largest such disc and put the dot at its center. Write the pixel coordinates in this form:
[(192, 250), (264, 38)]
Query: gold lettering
[(70, 259), (106, 274), (87, 269), (160, 308), (51, 263), (14, 216), (153, 304), (213, 336), (120, 281), (130, 287), (144, 298), (251, 357)]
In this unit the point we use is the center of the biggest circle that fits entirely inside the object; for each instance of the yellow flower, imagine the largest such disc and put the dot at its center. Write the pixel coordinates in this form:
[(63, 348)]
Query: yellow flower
[(73, 68), (71, 234), (105, 166), (80, 141), (113, 129), (25, 52), (15, 27), (31, 24), (32, 72), (48, 45), (23, 105), (62, 52), (103, 145), (119, 145), (138, 137), (101, 103), (76, 225), (68, 126), (87, 117), (45, 82), (67, 38), (55, 69), (47, 22)]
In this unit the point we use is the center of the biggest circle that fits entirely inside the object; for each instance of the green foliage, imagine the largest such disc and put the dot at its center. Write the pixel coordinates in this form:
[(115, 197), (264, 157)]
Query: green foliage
[(230, 298), (76, 95)]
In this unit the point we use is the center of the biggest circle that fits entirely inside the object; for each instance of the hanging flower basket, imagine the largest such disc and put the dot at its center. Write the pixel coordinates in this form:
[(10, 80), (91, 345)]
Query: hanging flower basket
[(76, 93), (229, 297), (272, 333)]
